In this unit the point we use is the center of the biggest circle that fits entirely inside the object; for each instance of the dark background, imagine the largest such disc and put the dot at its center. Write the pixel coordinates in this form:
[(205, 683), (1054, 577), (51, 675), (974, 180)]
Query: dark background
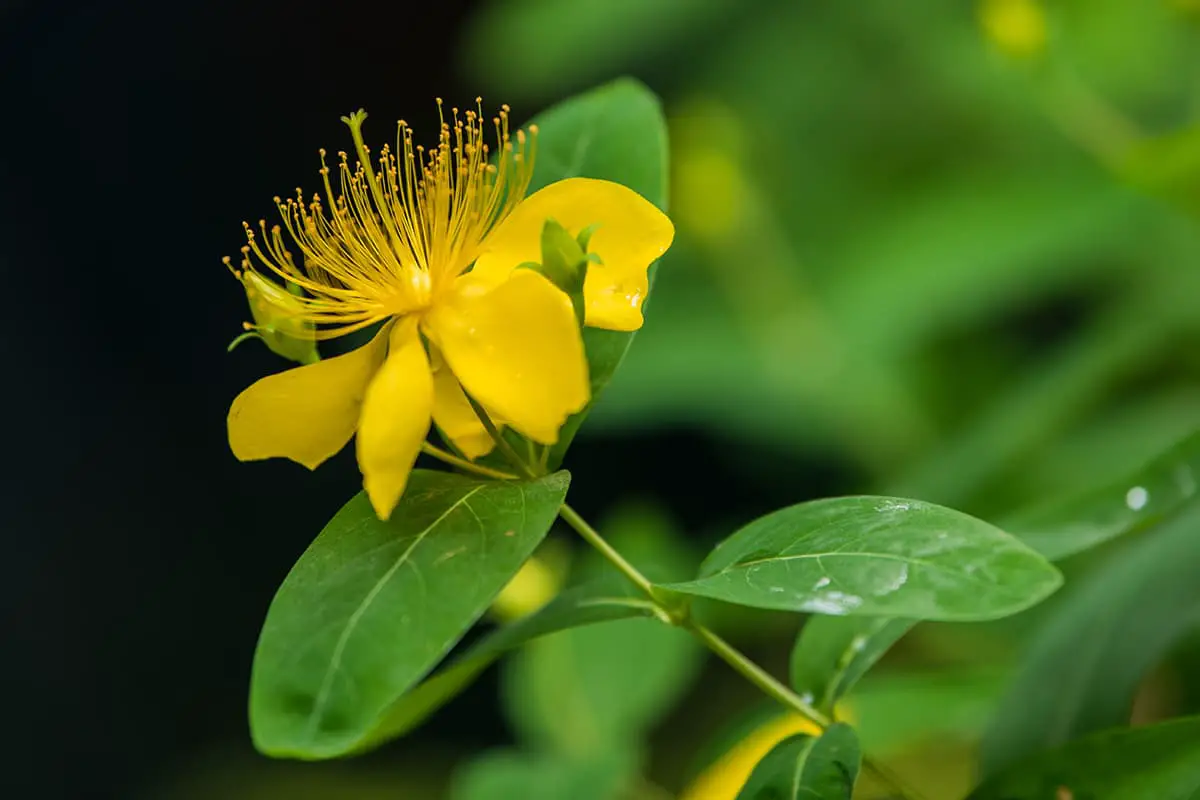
[(139, 555)]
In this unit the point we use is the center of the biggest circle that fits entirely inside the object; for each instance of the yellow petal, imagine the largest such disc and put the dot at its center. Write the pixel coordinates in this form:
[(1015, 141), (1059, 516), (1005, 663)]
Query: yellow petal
[(455, 417), (516, 349), (395, 418), (724, 779), (308, 413), (632, 233)]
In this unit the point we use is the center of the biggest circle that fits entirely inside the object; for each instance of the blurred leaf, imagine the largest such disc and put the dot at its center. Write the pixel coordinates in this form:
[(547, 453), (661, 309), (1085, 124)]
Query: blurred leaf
[(875, 556), (576, 42), (597, 687), (615, 132), (1168, 166), (1053, 391), (1132, 53), (808, 768), (1108, 629), (598, 601), (371, 606), (603, 686), (962, 250), (1158, 489), (1158, 761), (894, 711), (507, 775), (1104, 447), (832, 653)]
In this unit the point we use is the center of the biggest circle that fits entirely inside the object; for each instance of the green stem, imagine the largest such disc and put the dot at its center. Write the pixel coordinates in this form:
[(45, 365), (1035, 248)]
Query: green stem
[(756, 674), (502, 444), (463, 464), (593, 537), (727, 652), (752, 672)]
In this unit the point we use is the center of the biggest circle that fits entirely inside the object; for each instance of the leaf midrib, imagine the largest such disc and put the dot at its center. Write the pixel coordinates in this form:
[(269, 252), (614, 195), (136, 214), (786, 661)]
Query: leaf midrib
[(339, 649)]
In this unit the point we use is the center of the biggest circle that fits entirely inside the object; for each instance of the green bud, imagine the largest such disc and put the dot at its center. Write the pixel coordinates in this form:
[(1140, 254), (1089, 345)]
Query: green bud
[(276, 322), (565, 261)]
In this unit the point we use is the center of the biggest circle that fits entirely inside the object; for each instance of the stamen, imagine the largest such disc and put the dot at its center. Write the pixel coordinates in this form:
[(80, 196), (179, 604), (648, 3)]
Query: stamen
[(393, 233)]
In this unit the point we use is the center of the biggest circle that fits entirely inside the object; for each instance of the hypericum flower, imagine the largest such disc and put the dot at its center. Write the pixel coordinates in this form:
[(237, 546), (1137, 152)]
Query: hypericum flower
[(430, 242)]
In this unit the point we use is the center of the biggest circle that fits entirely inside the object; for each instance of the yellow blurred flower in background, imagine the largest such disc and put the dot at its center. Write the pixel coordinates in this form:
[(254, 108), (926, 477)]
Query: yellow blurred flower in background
[(1016, 27), (726, 776)]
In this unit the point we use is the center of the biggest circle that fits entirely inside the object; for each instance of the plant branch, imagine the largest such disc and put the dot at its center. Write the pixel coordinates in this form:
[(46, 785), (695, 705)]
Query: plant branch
[(593, 537), (749, 670), (502, 444), (745, 667), (463, 464)]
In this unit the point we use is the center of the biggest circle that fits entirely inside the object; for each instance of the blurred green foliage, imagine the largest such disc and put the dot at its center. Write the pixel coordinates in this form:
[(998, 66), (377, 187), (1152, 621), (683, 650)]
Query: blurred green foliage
[(963, 266), (957, 256), (899, 246)]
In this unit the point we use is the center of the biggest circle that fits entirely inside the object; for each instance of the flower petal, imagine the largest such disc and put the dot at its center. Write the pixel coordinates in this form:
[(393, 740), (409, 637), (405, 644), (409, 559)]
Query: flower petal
[(516, 349), (631, 234), (455, 417), (395, 418), (308, 413)]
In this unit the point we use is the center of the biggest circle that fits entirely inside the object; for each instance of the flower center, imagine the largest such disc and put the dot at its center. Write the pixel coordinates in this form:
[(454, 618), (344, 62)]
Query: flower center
[(395, 233)]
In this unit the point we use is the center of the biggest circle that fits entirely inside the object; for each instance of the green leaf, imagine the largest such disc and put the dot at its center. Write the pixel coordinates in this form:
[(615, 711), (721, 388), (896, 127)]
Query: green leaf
[(1167, 166), (615, 132), (599, 601), (1109, 628), (1158, 761), (807, 768), (1156, 490), (371, 606), (565, 262), (505, 774), (875, 556), (832, 653)]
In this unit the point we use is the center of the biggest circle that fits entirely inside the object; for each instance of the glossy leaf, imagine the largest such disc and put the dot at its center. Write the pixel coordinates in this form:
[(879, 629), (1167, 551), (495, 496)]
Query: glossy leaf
[(808, 768), (616, 132), (372, 606), (1108, 629), (1156, 490), (506, 775), (599, 601), (1158, 761), (875, 556), (832, 653)]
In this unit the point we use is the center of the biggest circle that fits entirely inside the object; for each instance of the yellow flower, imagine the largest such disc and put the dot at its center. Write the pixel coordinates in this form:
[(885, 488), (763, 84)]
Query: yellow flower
[(725, 777), (1016, 27), (429, 242)]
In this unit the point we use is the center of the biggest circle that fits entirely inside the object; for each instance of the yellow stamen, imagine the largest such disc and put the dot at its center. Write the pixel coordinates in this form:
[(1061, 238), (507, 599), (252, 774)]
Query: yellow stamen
[(398, 231)]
